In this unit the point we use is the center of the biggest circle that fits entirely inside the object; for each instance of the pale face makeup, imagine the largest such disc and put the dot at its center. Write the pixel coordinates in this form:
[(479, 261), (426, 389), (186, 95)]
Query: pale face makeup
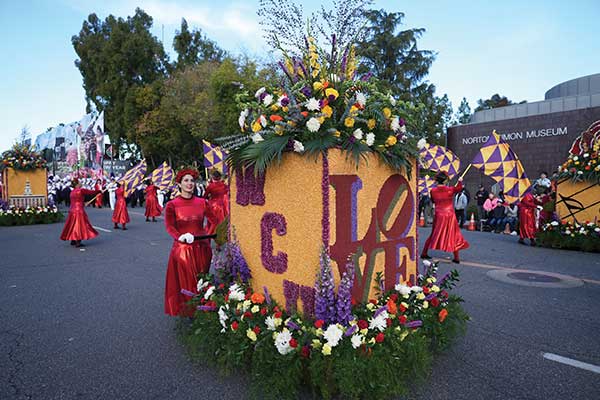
[(187, 186)]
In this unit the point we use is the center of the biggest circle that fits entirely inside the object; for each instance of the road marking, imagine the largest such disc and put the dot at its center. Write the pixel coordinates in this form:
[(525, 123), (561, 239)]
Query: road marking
[(489, 266), (101, 229), (571, 362)]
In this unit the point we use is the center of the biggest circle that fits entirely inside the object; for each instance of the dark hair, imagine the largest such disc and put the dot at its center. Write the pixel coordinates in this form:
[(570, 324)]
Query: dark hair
[(441, 177), (544, 172), (147, 181), (215, 174)]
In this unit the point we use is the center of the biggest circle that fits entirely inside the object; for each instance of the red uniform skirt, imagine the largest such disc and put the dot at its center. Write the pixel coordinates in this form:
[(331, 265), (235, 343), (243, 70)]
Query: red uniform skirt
[(78, 227), (527, 227), (445, 233), (120, 215), (153, 209), (186, 261)]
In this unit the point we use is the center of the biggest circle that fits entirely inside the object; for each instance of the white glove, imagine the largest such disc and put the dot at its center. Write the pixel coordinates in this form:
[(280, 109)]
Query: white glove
[(182, 238), (189, 238)]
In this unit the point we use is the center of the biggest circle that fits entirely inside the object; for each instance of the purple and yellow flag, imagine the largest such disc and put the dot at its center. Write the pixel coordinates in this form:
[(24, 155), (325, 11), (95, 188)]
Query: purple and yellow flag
[(214, 157), (438, 158), (425, 184), (134, 177), (498, 161), (162, 176)]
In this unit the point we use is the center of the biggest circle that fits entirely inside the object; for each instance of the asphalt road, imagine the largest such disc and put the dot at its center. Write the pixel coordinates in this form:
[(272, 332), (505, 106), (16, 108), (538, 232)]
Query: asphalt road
[(90, 324)]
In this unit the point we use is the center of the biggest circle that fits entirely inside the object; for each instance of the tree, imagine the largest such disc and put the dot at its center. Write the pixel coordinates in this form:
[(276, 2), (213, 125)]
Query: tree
[(115, 56), (392, 57), (496, 101), (463, 115), (194, 47)]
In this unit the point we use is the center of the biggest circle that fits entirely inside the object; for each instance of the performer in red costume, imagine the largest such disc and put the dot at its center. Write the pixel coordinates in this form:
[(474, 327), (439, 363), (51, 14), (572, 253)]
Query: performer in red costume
[(527, 228), (445, 233), (184, 217), (120, 214), (78, 227), (217, 194), (153, 209), (98, 188)]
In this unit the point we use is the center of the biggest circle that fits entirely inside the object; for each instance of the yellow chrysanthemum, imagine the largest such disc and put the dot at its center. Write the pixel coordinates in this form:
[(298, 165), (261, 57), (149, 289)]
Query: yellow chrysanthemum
[(371, 124), (387, 112), (331, 92), (328, 111), (353, 110), (317, 86), (337, 133), (256, 126), (390, 141), (321, 120), (348, 122)]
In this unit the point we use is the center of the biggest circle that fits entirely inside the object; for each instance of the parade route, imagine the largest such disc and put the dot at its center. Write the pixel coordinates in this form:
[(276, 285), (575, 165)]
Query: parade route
[(90, 325)]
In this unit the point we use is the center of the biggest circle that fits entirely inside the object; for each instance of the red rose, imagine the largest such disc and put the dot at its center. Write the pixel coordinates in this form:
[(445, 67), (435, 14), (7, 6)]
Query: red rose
[(227, 297), (278, 314), (305, 352), (402, 319), (247, 314), (256, 329), (444, 294), (319, 323), (394, 297), (362, 324), (425, 290), (435, 302), (276, 309), (293, 343), (373, 301), (379, 338), (402, 308), (221, 286), (263, 311), (388, 322), (247, 296), (234, 325)]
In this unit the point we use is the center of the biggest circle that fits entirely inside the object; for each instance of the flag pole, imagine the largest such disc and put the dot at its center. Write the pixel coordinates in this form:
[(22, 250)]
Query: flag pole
[(465, 171)]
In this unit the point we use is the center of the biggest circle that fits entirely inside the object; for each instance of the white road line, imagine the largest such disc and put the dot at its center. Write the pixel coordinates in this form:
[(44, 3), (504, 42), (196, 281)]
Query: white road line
[(571, 362), (101, 229)]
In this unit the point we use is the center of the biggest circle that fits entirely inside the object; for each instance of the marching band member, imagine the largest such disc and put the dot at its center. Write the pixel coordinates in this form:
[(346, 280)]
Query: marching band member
[(77, 226), (120, 214), (153, 209)]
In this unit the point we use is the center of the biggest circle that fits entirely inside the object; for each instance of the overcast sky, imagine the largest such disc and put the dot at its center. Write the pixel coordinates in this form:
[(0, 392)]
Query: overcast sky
[(515, 48)]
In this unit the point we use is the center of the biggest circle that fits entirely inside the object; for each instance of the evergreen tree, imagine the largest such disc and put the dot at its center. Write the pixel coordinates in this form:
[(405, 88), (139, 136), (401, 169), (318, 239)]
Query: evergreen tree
[(463, 115), (193, 47), (496, 101)]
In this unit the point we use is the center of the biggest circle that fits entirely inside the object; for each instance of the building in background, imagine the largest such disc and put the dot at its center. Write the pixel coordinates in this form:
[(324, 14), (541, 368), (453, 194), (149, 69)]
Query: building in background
[(540, 132)]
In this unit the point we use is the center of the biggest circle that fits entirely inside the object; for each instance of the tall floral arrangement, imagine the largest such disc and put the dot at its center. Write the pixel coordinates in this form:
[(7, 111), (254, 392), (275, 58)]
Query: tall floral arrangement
[(344, 295), (323, 103), (325, 302), (22, 157)]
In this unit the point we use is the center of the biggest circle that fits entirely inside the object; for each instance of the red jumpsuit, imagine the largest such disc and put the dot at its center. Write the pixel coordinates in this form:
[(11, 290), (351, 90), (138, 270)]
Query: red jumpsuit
[(217, 192), (77, 226), (153, 209), (527, 208), (98, 202), (120, 214), (186, 261), (445, 233)]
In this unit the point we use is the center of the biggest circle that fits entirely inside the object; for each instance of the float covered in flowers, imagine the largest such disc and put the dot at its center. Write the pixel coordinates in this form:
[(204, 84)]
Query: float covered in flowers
[(11, 215), (570, 235)]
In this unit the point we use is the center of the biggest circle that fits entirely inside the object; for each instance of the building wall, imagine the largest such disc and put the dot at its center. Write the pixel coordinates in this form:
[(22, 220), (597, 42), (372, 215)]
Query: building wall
[(542, 142)]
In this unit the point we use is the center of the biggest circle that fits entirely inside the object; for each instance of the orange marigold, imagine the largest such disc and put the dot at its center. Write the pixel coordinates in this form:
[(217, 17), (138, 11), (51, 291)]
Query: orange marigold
[(257, 298), (392, 307)]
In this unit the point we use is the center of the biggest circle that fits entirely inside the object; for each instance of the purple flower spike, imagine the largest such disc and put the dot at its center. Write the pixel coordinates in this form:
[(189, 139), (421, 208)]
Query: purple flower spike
[(344, 295), (379, 311), (414, 324), (306, 91), (292, 325), (267, 295), (366, 77), (187, 293), (324, 288), (430, 296), (206, 308), (351, 331), (441, 280)]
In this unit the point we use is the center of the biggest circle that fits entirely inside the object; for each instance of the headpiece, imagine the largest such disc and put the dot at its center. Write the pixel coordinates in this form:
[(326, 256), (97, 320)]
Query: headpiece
[(186, 171)]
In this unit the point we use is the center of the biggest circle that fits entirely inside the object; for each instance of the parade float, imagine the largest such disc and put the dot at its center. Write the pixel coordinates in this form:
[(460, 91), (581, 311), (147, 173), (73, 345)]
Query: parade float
[(577, 197), (24, 188), (318, 284)]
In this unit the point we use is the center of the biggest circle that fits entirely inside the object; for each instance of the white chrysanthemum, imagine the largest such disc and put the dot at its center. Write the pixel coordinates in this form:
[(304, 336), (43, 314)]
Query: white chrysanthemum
[(209, 292), (257, 138), (201, 284), (313, 124), (282, 342), (402, 289), (242, 118), (270, 322), (403, 129), (370, 139), (263, 121), (358, 134), (361, 99), (259, 92), (268, 99), (313, 104), (379, 322), (298, 146), (416, 289), (333, 335), (586, 155), (392, 100), (395, 124), (554, 223), (356, 340), (223, 317), (236, 293), (575, 158)]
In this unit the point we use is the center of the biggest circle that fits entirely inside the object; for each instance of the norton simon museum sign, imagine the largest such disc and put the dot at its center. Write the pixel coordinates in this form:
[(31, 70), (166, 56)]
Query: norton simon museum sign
[(542, 142)]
